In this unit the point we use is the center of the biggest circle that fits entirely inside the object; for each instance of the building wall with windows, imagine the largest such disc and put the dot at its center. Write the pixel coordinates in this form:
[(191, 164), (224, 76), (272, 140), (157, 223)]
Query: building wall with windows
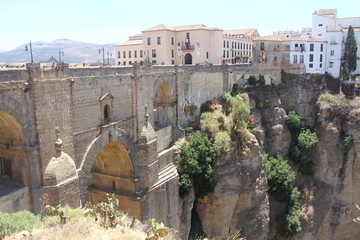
[(193, 44), (326, 26), (306, 54)]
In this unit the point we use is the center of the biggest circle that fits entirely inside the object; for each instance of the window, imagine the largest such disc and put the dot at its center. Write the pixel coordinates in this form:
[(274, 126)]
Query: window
[(158, 40), (172, 53), (321, 47), (320, 65), (119, 63), (154, 53), (124, 54), (321, 57), (207, 54), (232, 53), (107, 113), (135, 54), (311, 57), (224, 44), (149, 41), (332, 52), (331, 65), (311, 47), (320, 25), (141, 53), (319, 34), (227, 53), (262, 46), (227, 44), (119, 54), (295, 59), (172, 62), (153, 62), (129, 54), (124, 63), (232, 44), (224, 54), (311, 65), (275, 58), (172, 41), (238, 46), (130, 63)]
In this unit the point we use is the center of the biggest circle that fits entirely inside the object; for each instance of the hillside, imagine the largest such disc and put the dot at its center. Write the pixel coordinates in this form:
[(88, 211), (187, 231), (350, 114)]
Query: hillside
[(74, 52)]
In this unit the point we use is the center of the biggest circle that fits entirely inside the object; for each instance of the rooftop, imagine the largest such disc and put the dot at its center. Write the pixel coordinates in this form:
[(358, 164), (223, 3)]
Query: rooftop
[(326, 12), (284, 38), (181, 28)]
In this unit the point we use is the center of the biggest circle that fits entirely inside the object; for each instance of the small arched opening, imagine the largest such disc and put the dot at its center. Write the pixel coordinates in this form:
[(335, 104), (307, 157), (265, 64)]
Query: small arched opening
[(188, 59), (107, 114), (164, 106)]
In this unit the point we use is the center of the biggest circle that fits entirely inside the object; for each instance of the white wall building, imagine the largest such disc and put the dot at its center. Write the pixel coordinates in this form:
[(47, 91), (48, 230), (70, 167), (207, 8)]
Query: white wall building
[(326, 26), (193, 44)]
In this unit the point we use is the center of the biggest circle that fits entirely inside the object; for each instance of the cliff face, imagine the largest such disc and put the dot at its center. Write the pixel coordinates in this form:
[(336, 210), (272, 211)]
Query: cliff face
[(328, 197)]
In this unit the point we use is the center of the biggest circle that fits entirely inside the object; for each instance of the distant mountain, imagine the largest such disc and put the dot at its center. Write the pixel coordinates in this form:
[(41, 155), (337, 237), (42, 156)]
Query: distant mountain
[(74, 52)]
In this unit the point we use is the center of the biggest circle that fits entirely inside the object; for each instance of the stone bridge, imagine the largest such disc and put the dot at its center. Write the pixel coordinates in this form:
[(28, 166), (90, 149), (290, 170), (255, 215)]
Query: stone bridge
[(76, 134)]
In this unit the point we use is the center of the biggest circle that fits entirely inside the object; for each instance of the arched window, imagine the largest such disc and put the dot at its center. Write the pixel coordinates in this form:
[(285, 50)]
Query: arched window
[(107, 113)]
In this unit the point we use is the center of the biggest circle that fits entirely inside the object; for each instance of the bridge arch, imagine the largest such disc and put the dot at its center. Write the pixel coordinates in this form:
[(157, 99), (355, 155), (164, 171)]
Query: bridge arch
[(108, 168), (16, 156)]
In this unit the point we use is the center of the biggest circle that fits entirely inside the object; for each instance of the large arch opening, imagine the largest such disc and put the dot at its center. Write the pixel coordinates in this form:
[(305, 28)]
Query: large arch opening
[(13, 158), (188, 58), (164, 106), (112, 172)]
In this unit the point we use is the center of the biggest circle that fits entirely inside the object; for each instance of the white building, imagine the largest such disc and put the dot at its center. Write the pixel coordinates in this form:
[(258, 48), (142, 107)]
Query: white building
[(326, 26)]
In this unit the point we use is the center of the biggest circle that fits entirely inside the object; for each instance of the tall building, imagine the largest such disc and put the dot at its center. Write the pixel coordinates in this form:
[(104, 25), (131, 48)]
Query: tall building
[(193, 44), (326, 26)]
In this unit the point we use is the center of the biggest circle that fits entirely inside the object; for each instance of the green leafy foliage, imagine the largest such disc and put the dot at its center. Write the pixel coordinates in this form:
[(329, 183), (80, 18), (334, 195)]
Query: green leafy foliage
[(307, 139), (350, 51), (252, 80), (157, 230), (281, 186), (106, 213), (222, 142), (280, 177), (293, 121), (197, 159), (209, 123), (329, 99), (302, 141), (238, 109), (15, 222)]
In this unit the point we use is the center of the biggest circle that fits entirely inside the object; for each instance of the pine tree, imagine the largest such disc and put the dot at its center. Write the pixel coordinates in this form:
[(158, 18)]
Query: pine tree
[(349, 58)]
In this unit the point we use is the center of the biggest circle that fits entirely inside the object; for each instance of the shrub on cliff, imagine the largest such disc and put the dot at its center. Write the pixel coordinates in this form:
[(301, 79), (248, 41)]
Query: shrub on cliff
[(197, 159)]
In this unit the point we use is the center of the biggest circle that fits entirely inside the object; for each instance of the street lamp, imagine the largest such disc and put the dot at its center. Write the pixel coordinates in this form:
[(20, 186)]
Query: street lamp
[(31, 54), (61, 53), (109, 54), (103, 55)]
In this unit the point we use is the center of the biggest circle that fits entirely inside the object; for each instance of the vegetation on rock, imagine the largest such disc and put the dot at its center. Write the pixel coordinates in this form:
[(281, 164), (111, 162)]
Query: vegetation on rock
[(281, 186), (302, 140)]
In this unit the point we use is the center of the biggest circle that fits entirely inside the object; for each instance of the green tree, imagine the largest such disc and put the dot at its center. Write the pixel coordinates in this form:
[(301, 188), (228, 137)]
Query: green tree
[(349, 58)]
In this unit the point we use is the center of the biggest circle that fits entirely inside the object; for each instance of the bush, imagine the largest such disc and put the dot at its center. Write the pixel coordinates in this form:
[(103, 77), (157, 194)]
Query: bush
[(209, 124), (222, 142), (307, 139), (329, 99), (197, 159), (252, 80), (15, 222), (280, 177), (293, 121)]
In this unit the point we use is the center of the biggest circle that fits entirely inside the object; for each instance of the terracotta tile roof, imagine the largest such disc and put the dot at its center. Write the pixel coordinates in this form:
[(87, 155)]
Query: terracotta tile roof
[(131, 42), (244, 32), (326, 12), (283, 38), (180, 28)]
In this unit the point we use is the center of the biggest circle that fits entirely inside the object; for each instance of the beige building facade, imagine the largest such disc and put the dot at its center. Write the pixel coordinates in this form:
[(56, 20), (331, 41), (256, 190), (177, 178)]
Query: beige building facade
[(193, 44)]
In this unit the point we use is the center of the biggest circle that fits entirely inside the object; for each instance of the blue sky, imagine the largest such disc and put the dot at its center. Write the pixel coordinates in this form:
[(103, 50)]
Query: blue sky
[(111, 21)]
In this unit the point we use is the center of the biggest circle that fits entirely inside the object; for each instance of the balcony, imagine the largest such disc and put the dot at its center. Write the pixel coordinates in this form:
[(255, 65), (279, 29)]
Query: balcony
[(333, 43), (187, 48), (299, 49)]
